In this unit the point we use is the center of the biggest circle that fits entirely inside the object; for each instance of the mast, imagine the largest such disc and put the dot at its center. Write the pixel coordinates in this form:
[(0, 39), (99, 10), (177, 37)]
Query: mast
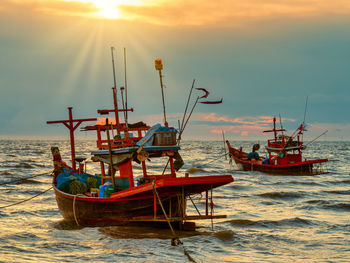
[(274, 128), (159, 66), (70, 125)]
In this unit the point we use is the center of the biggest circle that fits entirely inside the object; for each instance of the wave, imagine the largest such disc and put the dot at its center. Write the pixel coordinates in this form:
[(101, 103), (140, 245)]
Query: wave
[(6, 173), (338, 206), (290, 222), (282, 195), (341, 192), (20, 165), (193, 170), (224, 235), (326, 204)]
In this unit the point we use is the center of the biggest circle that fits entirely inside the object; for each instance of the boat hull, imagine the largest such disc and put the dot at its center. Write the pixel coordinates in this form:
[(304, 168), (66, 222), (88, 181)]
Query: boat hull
[(296, 168), (136, 204)]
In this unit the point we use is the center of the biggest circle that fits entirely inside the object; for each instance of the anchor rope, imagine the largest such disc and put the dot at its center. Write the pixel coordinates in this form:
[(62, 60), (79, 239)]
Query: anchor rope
[(176, 240), (20, 202), (24, 178)]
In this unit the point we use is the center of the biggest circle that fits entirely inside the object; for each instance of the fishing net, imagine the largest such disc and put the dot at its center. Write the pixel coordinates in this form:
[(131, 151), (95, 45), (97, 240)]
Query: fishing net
[(91, 182), (77, 187)]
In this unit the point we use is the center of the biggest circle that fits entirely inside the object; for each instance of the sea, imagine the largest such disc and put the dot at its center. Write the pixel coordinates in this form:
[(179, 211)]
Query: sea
[(270, 218)]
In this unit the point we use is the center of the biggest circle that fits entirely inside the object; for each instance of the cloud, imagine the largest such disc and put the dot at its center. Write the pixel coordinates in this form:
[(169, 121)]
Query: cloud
[(231, 12), (190, 12), (52, 7), (243, 125)]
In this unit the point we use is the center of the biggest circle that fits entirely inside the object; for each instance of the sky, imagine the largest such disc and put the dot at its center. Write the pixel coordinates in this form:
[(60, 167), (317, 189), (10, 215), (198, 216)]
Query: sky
[(264, 58)]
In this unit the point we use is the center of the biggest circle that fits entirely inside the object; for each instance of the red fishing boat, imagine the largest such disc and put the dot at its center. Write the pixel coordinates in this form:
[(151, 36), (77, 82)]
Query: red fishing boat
[(284, 155), (114, 196)]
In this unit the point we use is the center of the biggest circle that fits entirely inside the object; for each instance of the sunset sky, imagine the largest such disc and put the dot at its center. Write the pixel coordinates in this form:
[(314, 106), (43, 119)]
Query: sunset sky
[(262, 57)]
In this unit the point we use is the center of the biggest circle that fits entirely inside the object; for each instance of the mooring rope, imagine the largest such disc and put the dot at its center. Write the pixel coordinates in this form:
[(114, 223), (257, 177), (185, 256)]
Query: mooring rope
[(24, 178), (74, 213), (175, 241), (20, 202), (221, 155)]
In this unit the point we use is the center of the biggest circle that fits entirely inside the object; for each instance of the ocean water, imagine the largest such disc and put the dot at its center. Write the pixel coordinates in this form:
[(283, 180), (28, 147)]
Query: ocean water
[(269, 218)]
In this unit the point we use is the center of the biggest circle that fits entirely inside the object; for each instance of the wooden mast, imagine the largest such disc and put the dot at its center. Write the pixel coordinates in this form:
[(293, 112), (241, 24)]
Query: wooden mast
[(70, 125)]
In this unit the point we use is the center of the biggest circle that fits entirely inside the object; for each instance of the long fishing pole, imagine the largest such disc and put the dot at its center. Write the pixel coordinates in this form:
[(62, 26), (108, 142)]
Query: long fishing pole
[(316, 138), (114, 77), (115, 90), (307, 98), (126, 90), (188, 100), (223, 137), (188, 118), (124, 107)]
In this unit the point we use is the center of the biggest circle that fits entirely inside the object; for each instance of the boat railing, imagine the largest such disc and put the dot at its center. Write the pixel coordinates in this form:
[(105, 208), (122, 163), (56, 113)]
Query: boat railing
[(280, 144)]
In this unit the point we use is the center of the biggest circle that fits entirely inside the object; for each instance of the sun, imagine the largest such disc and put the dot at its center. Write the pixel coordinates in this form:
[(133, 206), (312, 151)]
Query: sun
[(109, 8)]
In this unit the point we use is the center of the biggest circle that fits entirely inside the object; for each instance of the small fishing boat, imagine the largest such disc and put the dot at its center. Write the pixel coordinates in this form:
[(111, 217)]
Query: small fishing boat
[(128, 192), (284, 155)]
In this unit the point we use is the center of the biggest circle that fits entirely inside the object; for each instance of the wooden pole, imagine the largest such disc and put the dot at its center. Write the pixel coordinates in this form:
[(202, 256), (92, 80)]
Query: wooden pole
[(161, 87), (126, 89), (71, 133), (111, 171)]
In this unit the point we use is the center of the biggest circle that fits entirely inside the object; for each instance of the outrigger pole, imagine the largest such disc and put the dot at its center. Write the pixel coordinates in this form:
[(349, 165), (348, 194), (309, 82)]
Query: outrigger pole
[(114, 90), (70, 125), (159, 66)]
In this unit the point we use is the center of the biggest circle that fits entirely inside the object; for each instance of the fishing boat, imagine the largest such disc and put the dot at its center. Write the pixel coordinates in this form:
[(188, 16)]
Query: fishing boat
[(127, 192), (284, 155)]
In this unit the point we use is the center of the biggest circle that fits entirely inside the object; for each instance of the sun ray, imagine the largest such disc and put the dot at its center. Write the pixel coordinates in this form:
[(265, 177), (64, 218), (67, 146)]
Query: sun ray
[(110, 8)]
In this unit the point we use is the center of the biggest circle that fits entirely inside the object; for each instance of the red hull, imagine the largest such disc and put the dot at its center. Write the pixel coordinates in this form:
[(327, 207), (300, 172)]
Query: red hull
[(136, 203), (295, 168)]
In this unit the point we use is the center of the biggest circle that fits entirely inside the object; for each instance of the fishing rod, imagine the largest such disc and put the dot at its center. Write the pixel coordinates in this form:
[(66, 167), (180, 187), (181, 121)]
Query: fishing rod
[(115, 90), (123, 104), (188, 100), (188, 118), (316, 138), (126, 90), (307, 98), (223, 137), (113, 65)]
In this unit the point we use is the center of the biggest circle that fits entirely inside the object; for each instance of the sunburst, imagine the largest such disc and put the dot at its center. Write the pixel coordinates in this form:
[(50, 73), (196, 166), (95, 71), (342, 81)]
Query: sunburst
[(110, 8)]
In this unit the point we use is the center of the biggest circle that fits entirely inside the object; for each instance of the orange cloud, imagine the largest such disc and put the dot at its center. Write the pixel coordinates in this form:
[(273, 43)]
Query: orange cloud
[(52, 7), (230, 12), (191, 12)]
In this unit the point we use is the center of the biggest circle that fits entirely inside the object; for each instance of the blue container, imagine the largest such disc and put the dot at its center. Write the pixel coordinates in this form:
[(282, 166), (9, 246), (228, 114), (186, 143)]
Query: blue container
[(101, 191)]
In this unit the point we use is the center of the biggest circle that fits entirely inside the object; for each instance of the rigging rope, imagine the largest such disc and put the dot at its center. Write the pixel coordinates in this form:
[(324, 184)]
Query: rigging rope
[(20, 202)]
